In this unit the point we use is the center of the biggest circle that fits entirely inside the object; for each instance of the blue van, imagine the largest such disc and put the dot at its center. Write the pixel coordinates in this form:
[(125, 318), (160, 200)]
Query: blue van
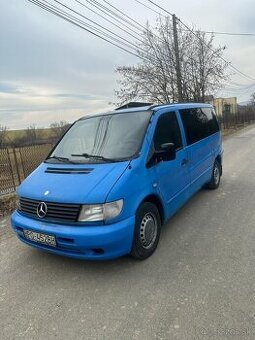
[(114, 179)]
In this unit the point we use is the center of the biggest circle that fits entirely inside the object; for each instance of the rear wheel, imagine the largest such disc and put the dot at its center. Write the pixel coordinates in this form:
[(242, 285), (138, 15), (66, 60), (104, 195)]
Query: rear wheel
[(216, 174), (147, 231)]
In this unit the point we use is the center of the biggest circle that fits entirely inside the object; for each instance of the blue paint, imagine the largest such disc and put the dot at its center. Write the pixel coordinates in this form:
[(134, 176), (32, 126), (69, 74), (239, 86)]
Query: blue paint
[(131, 180)]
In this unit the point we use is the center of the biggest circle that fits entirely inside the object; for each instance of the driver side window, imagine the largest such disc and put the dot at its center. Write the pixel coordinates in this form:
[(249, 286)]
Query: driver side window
[(167, 131)]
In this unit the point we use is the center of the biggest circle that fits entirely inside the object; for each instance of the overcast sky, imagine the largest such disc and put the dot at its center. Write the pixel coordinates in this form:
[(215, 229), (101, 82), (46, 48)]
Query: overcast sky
[(51, 70)]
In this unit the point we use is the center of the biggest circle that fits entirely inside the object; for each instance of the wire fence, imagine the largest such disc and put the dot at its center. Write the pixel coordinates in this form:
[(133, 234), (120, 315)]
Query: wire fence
[(7, 181), (244, 115), (17, 163)]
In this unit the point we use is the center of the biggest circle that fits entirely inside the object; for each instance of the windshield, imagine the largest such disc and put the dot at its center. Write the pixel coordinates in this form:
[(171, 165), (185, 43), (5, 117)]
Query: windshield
[(105, 138)]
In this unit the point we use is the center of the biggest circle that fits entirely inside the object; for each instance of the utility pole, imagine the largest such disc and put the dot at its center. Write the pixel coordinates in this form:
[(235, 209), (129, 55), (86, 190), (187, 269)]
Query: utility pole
[(177, 59)]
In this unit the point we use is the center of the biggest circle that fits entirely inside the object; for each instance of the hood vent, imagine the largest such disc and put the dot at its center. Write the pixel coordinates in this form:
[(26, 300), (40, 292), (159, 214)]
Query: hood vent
[(73, 171)]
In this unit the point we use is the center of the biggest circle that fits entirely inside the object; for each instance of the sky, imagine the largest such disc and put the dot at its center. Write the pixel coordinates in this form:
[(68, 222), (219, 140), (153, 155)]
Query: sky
[(51, 70)]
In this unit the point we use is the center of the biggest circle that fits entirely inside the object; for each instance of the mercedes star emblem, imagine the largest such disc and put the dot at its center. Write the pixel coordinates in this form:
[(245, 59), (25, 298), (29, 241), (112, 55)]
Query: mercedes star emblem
[(42, 210)]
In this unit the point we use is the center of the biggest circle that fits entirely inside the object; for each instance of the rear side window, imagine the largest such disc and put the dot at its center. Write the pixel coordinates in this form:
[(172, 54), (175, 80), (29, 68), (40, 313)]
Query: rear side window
[(198, 123), (167, 131)]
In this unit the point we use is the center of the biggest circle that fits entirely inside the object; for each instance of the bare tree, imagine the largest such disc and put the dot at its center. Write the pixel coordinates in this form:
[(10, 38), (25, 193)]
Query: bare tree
[(3, 135), (31, 134), (252, 99), (59, 128), (154, 79)]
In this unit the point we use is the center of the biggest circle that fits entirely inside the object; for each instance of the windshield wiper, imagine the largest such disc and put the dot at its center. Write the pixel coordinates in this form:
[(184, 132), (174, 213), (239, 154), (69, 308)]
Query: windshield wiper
[(61, 159), (101, 158)]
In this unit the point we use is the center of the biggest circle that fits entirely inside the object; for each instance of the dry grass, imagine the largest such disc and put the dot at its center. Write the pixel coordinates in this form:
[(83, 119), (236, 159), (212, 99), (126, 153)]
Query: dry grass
[(7, 204), (44, 134)]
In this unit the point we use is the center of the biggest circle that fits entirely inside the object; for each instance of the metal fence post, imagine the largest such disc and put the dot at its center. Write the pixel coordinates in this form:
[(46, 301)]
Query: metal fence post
[(16, 165), (10, 166)]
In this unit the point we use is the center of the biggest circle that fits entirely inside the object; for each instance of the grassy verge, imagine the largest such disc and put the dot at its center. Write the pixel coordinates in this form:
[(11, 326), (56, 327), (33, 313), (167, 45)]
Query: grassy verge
[(231, 131)]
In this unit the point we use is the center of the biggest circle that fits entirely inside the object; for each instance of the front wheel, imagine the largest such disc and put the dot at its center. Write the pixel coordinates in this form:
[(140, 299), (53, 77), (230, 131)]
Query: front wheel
[(147, 231), (216, 174)]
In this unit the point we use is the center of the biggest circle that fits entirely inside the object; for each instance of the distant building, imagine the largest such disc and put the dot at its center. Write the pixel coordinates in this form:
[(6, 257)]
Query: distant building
[(221, 105)]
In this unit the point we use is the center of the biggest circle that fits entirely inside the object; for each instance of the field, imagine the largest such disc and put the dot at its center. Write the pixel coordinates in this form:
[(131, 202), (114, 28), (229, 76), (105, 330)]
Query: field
[(43, 134)]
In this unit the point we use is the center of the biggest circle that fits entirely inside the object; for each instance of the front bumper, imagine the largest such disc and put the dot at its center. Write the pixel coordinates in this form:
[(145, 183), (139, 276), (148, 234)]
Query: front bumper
[(81, 242)]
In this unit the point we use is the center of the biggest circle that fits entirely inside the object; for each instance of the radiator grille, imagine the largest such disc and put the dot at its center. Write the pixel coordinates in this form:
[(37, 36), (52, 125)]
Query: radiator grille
[(55, 211)]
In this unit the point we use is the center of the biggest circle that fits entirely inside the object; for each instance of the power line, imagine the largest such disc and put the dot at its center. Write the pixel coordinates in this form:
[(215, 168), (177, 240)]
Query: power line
[(109, 13), (230, 33), (233, 83), (230, 65), (148, 7), (52, 11), (105, 9), (241, 89), (140, 27), (85, 17), (207, 32), (163, 9), (113, 14), (96, 4), (222, 33), (111, 38), (106, 19)]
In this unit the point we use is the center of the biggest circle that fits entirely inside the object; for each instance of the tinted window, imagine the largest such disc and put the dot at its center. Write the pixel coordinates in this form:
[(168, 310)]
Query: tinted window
[(167, 131), (198, 123), (212, 124)]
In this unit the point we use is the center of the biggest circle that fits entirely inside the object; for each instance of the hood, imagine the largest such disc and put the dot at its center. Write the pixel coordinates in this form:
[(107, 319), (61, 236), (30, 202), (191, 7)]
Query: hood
[(72, 183)]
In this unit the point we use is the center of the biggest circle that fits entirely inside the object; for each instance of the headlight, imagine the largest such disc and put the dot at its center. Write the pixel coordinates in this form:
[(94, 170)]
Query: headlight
[(100, 212)]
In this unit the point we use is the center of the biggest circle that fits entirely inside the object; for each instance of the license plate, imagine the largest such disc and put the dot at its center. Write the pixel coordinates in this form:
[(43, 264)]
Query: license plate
[(48, 240)]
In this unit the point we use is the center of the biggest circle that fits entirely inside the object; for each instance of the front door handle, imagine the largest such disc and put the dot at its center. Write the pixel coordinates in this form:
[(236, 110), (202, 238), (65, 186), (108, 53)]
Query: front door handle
[(184, 162)]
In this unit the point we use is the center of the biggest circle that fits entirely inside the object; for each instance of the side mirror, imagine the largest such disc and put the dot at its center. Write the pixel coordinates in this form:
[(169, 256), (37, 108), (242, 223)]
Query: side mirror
[(167, 152)]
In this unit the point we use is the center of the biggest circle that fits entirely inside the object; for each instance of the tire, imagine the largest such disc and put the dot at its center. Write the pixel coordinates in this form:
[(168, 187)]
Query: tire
[(216, 174), (147, 231)]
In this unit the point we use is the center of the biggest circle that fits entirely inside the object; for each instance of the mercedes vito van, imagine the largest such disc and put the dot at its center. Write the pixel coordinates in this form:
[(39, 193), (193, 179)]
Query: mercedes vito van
[(115, 178)]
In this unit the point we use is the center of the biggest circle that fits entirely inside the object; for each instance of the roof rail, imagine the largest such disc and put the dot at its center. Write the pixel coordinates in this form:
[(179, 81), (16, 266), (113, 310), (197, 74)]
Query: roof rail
[(133, 105), (157, 105)]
